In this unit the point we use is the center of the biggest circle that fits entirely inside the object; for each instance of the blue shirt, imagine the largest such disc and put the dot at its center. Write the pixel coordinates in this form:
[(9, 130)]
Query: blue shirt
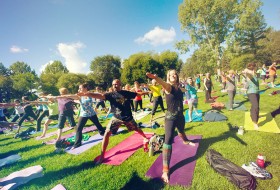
[(253, 85), (86, 107), (191, 92)]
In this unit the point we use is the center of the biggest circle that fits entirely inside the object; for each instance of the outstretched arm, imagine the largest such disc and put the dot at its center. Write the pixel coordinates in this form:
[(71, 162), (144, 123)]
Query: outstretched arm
[(92, 95), (165, 85)]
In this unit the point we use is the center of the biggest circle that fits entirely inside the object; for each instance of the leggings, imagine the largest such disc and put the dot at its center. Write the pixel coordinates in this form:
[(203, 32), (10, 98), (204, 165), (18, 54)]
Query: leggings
[(45, 113), (131, 104), (157, 101), (170, 125), (231, 95), (208, 93), (136, 103), (16, 117), (81, 123), (255, 109), (28, 113)]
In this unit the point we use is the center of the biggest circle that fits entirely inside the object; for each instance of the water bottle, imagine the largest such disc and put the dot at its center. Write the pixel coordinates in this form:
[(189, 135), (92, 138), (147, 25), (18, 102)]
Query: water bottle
[(260, 161)]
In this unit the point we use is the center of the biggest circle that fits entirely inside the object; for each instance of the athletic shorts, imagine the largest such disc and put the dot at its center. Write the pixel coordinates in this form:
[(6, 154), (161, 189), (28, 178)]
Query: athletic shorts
[(115, 124)]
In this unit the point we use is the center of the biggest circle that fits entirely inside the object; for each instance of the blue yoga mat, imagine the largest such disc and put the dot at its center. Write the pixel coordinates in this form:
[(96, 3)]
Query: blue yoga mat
[(195, 118)]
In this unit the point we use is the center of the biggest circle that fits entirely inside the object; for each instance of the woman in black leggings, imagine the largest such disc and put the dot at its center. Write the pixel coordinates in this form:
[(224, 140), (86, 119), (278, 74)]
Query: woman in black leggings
[(174, 117)]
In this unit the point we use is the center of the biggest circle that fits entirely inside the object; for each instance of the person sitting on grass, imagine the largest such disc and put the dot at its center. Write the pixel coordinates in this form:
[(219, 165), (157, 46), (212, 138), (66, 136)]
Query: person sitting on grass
[(277, 111), (120, 106), (174, 117)]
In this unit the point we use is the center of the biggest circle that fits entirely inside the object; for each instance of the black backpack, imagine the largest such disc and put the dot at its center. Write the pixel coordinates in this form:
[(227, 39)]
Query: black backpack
[(235, 174)]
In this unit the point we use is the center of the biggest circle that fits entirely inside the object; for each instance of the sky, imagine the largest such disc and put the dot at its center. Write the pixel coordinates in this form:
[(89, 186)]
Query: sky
[(37, 32)]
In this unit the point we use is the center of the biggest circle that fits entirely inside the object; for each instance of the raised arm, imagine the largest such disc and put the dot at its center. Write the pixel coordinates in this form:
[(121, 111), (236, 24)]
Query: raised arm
[(165, 85)]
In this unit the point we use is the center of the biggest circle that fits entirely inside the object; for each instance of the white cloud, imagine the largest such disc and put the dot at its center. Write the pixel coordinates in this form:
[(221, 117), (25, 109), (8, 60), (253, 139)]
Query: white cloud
[(45, 65), (16, 49), (73, 61), (157, 36)]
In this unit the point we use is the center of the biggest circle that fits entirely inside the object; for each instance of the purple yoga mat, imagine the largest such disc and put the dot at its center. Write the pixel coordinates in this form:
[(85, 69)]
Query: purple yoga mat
[(92, 141), (85, 130), (182, 162)]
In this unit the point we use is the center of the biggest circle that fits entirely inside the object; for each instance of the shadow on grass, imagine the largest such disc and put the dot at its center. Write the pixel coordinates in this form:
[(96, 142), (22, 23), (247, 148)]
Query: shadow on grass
[(205, 143), (60, 174), (25, 149), (137, 183), (4, 139)]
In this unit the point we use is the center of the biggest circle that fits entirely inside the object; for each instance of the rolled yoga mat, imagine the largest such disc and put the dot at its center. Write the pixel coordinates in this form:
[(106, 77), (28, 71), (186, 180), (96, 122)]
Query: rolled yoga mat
[(182, 164), (92, 141), (9, 160), (18, 178), (85, 130), (119, 153)]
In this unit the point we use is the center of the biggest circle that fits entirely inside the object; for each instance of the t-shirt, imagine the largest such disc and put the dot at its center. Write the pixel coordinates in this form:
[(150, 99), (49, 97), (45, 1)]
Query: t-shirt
[(191, 92), (272, 70), (53, 108), (231, 84), (138, 97), (263, 71), (86, 107), (120, 104), (253, 85), (19, 110), (197, 80), (156, 90), (64, 104), (174, 101)]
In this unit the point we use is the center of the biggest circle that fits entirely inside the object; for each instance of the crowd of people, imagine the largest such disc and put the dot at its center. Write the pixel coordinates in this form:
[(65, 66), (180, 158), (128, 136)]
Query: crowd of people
[(124, 102)]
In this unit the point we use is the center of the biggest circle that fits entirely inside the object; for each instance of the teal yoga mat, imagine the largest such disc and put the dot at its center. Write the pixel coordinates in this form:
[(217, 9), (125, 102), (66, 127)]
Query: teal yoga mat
[(195, 118)]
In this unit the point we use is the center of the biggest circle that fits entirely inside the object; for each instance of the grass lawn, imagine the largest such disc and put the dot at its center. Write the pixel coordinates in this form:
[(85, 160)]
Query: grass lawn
[(78, 171)]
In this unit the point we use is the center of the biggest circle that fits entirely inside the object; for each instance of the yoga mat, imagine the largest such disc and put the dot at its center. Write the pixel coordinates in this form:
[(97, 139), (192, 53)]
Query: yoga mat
[(58, 187), (240, 107), (85, 130), (92, 141), (275, 85), (195, 118), (118, 154), (9, 160), (182, 162), (18, 178), (266, 123), (141, 114), (53, 133)]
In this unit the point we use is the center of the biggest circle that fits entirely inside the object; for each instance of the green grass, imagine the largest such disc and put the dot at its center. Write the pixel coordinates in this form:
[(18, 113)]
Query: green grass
[(78, 172)]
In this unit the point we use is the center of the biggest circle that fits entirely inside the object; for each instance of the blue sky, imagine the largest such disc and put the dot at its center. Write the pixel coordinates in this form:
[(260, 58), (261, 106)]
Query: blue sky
[(76, 31)]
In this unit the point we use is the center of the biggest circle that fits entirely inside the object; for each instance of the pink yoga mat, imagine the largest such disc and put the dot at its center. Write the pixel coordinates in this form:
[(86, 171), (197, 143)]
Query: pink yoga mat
[(118, 154), (59, 187), (85, 130), (182, 162)]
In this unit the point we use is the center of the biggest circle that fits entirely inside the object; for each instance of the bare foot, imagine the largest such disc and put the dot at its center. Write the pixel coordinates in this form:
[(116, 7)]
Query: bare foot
[(189, 143), (165, 177), (98, 162), (256, 126)]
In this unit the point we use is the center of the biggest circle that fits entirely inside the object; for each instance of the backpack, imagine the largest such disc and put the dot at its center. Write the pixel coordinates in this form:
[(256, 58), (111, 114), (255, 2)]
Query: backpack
[(156, 143), (235, 174)]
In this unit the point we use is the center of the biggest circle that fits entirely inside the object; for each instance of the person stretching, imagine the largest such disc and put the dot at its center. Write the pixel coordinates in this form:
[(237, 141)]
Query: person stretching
[(174, 117)]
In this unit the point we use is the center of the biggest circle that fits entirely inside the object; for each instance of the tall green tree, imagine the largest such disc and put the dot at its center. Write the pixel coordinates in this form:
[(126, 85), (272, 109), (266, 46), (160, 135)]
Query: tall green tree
[(71, 81), (136, 66), (104, 69), (208, 23), (250, 26), (24, 79), (50, 76), (169, 60)]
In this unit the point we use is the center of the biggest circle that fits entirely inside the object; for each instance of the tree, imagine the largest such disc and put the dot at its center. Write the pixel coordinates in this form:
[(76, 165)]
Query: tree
[(250, 26), (71, 81), (169, 60), (104, 69), (55, 67), (208, 23), (24, 79), (50, 76), (136, 66)]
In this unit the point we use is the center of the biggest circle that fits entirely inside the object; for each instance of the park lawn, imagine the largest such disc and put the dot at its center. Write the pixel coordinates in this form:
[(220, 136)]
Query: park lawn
[(78, 172)]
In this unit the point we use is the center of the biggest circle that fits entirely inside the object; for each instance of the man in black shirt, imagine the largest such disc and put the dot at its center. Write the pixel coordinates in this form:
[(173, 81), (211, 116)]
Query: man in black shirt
[(120, 107)]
